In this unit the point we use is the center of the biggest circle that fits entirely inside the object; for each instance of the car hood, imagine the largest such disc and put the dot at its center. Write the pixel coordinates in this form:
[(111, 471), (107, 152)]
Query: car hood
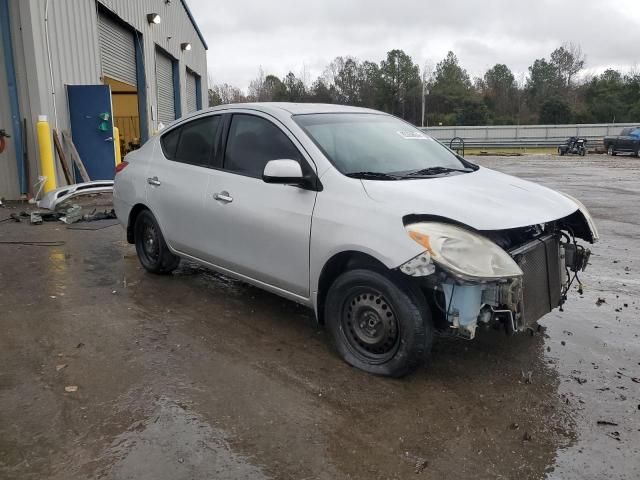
[(484, 199)]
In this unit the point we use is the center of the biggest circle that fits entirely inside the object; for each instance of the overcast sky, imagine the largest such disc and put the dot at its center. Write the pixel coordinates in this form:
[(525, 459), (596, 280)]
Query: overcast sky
[(301, 35)]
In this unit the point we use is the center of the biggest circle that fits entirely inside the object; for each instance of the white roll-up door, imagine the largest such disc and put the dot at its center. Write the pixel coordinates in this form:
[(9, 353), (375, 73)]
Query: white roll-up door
[(165, 89), (192, 96), (117, 51)]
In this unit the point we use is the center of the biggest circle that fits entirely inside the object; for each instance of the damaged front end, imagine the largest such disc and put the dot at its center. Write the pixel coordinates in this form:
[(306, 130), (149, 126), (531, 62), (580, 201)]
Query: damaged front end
[(510, 277)]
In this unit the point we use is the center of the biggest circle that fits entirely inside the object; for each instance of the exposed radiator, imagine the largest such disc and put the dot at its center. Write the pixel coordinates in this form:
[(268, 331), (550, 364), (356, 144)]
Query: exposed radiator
[(542, 280)]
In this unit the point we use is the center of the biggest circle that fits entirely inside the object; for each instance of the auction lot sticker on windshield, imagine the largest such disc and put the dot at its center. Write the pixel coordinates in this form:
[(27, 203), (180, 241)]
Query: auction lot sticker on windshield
[(409, 135)]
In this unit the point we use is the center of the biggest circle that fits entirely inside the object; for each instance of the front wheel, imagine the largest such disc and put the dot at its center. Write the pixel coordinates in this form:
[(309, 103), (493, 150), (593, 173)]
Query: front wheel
[(152, 250), (377, 325)]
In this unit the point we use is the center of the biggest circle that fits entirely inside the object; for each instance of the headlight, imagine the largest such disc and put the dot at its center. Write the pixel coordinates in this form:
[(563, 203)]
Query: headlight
[(587, 216), (463, 253)]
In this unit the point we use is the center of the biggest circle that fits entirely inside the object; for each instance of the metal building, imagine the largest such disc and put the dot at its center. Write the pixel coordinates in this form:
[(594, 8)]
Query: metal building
[(145, 61)]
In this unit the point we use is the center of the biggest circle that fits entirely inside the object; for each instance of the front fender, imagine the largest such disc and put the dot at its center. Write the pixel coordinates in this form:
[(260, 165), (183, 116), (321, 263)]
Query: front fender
[(346, 219)]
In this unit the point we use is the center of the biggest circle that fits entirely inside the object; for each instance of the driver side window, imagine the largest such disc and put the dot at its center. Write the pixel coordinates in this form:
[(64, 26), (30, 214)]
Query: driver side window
[(254, 141)]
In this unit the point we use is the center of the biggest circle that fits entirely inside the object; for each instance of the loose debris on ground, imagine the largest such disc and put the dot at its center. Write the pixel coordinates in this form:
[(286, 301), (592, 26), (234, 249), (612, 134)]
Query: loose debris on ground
[(68, 216)]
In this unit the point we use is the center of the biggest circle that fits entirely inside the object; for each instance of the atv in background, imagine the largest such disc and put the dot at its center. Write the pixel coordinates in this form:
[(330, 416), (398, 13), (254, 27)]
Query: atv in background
[(573, 145)]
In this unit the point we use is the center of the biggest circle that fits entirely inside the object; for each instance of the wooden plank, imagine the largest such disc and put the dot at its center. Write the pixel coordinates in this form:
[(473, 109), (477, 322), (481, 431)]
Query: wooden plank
[(66, 138), (62, 158)]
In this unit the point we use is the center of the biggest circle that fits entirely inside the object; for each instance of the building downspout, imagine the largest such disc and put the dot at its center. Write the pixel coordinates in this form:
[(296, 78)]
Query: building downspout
[(12, 84), (53, 85)]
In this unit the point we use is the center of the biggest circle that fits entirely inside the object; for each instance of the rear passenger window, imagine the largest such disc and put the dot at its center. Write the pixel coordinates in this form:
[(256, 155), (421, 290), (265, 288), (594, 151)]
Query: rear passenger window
[(194, 143), (169, 142), (252, 142)]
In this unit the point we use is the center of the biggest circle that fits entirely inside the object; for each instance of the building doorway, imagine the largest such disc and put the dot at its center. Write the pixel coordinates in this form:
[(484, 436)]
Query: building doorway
[(124, 100), (119, 53)]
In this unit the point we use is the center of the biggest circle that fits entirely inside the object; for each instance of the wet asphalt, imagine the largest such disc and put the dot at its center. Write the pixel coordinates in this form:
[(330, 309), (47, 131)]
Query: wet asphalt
[(197, 376)]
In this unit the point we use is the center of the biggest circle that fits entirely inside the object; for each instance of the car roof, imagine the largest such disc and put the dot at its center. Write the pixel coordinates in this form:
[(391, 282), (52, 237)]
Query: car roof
[(295, 108)]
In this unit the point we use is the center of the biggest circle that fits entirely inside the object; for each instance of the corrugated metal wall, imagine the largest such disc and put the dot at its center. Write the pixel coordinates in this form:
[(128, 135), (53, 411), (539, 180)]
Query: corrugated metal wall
[(174, 29), (117, 51), (75, 59), (192, 98), (165, 89)]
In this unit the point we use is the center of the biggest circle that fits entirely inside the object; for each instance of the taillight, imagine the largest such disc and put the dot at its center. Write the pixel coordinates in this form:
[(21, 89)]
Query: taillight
[(121, 166)]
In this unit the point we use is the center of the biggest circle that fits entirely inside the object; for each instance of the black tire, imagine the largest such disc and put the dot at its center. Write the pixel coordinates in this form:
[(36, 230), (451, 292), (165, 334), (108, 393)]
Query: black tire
[(611, 151), (152, 250), (377, 324), (560, 152)]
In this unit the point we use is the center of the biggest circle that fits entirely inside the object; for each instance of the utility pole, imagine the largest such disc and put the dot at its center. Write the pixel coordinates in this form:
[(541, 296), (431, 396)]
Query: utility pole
[(425, 92), (423, 102)]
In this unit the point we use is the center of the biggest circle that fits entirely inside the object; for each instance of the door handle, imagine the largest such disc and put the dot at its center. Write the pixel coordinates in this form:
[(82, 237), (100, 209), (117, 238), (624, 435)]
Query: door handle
[(154, 181), (223, 197)]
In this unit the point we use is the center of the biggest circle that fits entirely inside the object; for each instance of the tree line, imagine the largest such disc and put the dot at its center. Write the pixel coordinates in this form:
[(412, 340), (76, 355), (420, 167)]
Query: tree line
[(552, 92)]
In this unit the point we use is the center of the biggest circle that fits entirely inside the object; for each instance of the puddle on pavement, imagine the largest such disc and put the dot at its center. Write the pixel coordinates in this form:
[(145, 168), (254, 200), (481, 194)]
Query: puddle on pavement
[(175, 443)]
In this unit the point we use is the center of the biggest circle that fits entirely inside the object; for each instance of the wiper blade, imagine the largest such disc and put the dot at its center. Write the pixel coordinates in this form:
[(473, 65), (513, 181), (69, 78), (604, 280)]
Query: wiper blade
[(373, 176), (435, 171)]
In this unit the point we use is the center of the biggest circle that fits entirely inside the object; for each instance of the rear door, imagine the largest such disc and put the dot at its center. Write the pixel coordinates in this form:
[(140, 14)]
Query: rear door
[(634, 137), (625, 141), (257, 229), (177, 182)]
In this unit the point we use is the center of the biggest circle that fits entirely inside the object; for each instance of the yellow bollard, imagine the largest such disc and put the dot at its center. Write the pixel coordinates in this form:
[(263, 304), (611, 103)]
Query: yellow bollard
[(116, 145), (47, 160)]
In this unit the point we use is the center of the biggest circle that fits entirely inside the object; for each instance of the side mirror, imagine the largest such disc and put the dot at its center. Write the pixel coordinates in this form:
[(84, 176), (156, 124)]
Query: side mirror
[(286, 172)]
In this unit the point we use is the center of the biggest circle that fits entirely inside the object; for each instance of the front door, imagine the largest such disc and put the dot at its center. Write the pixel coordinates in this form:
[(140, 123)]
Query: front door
[(257, 229), (92, 128)]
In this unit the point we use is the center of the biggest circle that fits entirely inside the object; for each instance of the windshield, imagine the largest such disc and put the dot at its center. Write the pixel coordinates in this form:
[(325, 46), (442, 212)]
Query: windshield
[(376, 144)]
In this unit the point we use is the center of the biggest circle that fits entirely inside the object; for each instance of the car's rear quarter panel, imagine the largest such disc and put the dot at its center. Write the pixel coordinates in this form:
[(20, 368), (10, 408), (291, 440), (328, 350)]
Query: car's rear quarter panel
[(130, 184)]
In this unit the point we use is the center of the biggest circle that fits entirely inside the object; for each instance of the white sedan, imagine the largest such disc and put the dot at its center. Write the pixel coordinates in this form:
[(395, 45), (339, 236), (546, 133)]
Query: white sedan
[(388, 235)]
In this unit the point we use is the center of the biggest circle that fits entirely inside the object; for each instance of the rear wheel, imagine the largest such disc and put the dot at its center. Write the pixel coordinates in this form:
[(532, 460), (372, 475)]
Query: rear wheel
[(153, 252), (611, 151), (377, 325)]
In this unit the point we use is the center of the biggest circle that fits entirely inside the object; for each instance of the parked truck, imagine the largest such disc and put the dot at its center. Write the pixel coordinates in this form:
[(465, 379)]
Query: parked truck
[(627, 142)]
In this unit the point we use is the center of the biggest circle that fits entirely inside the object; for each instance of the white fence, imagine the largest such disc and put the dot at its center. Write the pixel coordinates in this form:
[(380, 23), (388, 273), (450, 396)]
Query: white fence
[(525, 135)]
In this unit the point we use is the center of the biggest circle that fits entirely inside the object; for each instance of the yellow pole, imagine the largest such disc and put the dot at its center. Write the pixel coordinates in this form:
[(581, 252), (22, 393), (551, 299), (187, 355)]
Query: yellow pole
[(116, 146), (47, 160)]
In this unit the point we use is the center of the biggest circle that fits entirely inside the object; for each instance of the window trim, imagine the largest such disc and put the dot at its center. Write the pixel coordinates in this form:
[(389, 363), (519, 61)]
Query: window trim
[(212, 162)]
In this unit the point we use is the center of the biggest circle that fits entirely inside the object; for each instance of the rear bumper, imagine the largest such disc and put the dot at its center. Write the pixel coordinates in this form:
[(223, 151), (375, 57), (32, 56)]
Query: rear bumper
[(60, 195)]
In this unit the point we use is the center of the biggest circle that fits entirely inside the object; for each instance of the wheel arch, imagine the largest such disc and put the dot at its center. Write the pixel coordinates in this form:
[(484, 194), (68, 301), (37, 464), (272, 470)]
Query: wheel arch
[(338, 264), (133, 215)]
